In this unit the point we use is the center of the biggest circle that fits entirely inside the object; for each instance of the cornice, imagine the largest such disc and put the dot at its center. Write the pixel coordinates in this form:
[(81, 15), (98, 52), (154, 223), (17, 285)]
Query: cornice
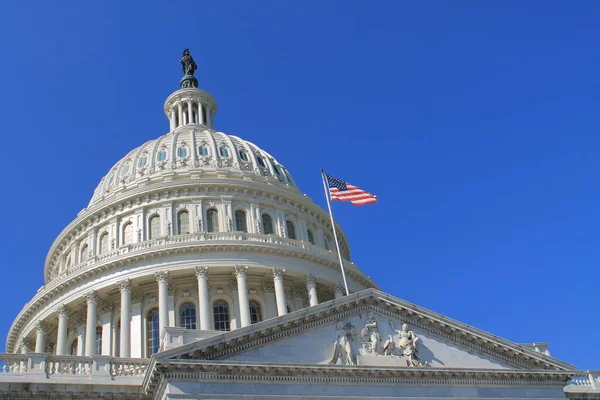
[(59, 285), (181, 190), (188, 370)]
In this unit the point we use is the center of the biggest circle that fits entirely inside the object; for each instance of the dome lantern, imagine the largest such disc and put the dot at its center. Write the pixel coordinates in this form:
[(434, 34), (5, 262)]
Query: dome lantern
[(189, 105)]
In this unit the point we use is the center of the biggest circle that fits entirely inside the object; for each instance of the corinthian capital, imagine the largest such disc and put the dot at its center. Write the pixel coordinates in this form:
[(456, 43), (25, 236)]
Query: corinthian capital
[(25, 345), (201, 271), (91, 297), (310, 279), (240, 270), (161, 276), (278, 273), (41, 326), (62, 310), (125, 284)]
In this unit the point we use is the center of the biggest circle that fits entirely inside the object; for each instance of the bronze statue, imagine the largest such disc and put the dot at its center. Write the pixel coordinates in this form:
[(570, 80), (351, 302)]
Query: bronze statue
[(188, 66)]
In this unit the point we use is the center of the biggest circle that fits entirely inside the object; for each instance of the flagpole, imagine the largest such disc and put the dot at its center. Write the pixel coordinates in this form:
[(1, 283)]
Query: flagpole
[(337, 245)]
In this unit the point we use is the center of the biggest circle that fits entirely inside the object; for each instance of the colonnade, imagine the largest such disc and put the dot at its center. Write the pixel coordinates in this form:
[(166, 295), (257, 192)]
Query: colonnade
[(190, 112), (162, 278)]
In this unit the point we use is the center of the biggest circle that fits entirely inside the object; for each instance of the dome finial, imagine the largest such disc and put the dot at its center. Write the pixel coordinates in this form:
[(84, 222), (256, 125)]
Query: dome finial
[(188, 66)]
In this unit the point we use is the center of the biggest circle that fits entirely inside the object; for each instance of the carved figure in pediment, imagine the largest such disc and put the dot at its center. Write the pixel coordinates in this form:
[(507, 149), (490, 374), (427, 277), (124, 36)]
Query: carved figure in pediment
[(370, 335), (342, 349), (408, 344)]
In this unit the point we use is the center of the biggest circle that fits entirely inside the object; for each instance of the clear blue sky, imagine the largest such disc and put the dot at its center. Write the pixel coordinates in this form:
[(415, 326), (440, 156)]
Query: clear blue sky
[(475, 122)]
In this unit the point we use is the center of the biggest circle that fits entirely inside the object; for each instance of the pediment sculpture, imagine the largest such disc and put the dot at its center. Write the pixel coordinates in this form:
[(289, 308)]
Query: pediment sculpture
[(342, 347)]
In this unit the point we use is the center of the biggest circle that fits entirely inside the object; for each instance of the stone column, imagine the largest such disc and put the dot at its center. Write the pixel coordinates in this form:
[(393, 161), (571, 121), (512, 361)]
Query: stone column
[(172, 120), (240, 274), (163, 307), (279, 291), (203, 300), (25, 345), (190, 112), (125, 335), (180, 114), (200, 119), (339, 290), (61, 335), (40, 340), (91, 299), (311, 288)]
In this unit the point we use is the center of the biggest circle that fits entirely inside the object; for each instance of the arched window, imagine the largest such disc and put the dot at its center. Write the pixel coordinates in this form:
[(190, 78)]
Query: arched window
[(261, 161), (74, 348), (152, 331), (243, 155), (183, 223), (327, 247), (212, 223), (83, 253), (103, 243), (267, 224), (221, 315), (162, 155), (99, 340), (182, 152), (291, 231), (203, 150), (142, 161), (187, 316), (154, 227), (240, 221), (255, 312), (128, 233), (224, 152), (311, 238), (125, 170)]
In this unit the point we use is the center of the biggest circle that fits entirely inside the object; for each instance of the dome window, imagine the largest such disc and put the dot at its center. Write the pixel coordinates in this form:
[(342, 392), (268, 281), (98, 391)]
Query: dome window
[(162, 155), (125, 170), (182, 152), (111, 180), (310, 236), (142, 162), (291, 230), (276, 169), (224, 151), (203, 150), (261, 162), (243, 155)]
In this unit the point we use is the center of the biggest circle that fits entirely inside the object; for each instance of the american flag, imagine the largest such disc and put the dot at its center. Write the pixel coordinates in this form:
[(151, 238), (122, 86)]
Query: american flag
[(343, 191)]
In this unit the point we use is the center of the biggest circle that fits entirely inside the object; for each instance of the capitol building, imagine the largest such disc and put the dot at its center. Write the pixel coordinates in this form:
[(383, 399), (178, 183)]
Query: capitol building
[(199, 270)]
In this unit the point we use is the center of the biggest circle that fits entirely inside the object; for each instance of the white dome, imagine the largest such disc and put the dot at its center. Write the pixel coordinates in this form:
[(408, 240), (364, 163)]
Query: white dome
[(188, 151)]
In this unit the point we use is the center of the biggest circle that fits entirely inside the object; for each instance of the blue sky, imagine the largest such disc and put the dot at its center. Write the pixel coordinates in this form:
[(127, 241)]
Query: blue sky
[(475, 123)]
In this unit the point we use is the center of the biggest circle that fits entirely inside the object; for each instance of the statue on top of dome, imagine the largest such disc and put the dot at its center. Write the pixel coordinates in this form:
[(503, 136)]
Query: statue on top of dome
[(188, 66)]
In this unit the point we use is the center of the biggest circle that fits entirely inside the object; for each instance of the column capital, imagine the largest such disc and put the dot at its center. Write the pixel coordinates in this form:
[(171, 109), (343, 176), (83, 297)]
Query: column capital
[(240, 270), (124, 284), (62, 310), (91, 297), (310, 279), (41, 326), (162, 276), (25, 345), (278, 273), (106, 306), (201, 271)]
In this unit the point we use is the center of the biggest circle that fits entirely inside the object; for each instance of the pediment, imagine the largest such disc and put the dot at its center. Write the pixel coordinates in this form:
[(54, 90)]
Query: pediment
[(343, 331)]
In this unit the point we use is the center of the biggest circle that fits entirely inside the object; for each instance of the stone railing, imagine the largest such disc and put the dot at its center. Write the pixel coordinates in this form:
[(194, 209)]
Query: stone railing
[(201, 237), (40, 367), (586, 379)]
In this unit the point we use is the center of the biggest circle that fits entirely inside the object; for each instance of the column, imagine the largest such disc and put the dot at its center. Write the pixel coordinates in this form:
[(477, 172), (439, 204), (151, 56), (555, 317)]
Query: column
[(40, 340), (172, 120), (200, 119), (61, 335), (203, 300), (91, 299), (190, 112), (311, 288), (338, 290), (180, 114), (279, 291), (25, 345), (163, 292), (240, 274), (125, 335)]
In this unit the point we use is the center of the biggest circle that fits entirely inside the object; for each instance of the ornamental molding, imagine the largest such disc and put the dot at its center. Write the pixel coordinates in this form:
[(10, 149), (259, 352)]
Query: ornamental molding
[(162, 370), (370, 300)]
